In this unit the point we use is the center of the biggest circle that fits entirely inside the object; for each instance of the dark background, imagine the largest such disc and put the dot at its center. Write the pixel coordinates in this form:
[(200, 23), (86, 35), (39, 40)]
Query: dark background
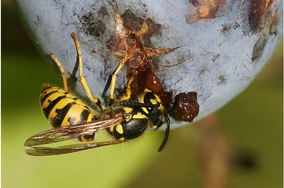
[(241, 145)]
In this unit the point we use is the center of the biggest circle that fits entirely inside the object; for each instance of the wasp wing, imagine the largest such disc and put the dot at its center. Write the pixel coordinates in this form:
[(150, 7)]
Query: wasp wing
[(72, 132), (46, 151)]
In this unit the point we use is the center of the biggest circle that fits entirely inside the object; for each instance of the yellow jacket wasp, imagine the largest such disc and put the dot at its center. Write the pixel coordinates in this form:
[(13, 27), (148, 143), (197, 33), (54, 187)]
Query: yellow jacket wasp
[(72, 119)]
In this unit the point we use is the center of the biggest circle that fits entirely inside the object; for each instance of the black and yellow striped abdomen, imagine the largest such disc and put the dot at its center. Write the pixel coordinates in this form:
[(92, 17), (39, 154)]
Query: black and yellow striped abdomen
[(62, 108)]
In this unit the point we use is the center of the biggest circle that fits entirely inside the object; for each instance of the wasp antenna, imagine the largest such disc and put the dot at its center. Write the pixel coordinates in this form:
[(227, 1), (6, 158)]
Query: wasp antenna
[(135, 104), (167, 133)]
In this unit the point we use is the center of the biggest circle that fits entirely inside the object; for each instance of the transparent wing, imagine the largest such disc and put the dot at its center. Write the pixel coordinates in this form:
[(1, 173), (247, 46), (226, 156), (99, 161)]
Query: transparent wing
[(67, 133), (45, 151)]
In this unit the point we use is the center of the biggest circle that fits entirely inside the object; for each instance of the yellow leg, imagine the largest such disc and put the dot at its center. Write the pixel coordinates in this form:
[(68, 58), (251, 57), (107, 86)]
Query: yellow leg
[(128, 90), (113, 78), (61, 69), (82, 78)]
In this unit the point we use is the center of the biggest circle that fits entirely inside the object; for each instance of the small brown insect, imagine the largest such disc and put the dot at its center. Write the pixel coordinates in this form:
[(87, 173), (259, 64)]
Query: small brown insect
[(135, 54)]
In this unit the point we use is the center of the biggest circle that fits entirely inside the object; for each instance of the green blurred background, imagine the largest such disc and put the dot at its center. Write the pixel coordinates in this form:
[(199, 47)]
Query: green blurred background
[(241, 144)]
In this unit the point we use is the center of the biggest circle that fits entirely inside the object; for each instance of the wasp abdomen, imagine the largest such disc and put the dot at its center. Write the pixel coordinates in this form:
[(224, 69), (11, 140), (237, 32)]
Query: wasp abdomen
[(62, 108)]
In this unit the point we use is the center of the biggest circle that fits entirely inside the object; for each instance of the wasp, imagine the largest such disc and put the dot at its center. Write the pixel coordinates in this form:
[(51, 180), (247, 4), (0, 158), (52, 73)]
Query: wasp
[(72, 119)]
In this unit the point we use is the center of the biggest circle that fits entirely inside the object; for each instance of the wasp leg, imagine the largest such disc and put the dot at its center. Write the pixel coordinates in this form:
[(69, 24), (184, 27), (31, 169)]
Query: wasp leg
[(82, 78), (61, 69), (127, 95), (113, 78), (106, 87), (158, 52)]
